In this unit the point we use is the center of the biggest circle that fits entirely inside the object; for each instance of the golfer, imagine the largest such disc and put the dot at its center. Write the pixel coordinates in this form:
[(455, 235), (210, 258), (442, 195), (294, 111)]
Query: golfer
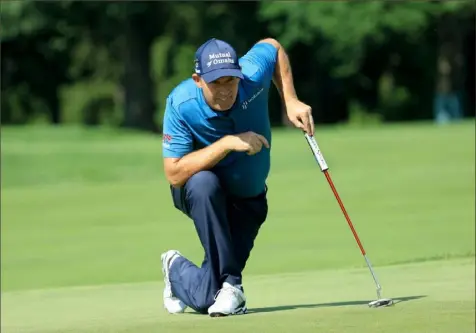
[(216, 150)]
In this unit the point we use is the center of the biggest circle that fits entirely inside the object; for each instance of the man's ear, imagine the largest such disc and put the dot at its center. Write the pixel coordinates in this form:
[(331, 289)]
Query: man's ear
[(197, 80)]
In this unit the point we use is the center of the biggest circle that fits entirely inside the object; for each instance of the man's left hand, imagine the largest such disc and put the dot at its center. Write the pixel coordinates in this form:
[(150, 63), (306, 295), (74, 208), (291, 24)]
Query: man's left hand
[(300, 115)]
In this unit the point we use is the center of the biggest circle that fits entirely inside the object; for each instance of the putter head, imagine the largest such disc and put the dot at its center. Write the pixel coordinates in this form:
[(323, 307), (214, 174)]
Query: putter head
[(382, 302)]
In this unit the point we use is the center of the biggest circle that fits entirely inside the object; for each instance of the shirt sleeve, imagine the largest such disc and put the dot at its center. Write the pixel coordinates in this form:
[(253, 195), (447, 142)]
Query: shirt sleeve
[(177, 138), (259, 62)]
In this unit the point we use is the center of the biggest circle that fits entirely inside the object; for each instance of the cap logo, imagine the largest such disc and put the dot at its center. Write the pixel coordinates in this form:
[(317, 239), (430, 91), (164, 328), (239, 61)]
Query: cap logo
[(219, 55), (220, 61), (220, 58)]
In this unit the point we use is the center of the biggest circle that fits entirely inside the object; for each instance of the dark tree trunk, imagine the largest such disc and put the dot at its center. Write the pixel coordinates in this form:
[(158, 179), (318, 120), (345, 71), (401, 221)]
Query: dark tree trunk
[(449, 80), (53, 105), (137, 81)]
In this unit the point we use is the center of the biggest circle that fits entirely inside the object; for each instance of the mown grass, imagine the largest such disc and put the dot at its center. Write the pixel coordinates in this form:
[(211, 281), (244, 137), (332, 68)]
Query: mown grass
[(92, 208)]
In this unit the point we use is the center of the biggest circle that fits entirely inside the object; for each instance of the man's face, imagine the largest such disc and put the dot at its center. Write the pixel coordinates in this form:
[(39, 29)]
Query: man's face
[(220, 94)]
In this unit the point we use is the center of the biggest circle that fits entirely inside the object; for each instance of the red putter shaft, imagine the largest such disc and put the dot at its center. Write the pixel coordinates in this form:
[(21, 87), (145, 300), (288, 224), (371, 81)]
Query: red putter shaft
[(331, 184)]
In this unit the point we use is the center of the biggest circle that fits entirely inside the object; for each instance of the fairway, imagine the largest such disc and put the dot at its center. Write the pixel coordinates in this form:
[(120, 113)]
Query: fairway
[(86, 214)]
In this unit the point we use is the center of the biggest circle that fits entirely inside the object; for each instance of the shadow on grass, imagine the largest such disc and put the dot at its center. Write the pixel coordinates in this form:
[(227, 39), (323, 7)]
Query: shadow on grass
[(396, 300)]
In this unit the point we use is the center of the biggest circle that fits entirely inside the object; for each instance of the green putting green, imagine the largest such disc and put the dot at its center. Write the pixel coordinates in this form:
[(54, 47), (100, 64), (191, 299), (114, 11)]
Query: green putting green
[(86, 214)]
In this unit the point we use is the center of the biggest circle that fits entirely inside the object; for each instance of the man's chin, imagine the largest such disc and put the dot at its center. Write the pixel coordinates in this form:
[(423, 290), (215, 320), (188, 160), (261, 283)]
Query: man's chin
[(222, 106)]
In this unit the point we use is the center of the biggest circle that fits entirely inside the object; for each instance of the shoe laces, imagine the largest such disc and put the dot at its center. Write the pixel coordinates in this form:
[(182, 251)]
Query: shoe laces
[(231, 291)]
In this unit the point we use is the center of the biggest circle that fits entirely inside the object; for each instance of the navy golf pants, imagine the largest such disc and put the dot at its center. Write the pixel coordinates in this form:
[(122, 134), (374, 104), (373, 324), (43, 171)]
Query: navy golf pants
[(227, 228)]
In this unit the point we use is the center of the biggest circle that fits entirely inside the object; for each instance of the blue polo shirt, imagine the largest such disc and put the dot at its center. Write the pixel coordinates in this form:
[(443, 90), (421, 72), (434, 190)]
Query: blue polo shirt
[(190, 124)]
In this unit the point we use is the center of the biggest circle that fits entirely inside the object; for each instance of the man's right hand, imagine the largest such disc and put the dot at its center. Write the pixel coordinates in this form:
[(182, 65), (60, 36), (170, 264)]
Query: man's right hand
[(249, 142)]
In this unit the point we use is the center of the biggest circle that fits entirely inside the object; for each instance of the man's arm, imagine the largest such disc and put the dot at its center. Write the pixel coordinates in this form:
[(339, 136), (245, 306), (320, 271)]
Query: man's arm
[(179, 169), (298, 113), (282, 77), (180, 160)]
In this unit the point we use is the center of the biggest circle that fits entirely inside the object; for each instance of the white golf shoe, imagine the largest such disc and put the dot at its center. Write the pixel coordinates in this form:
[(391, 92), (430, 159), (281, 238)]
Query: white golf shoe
[(171, 303), (229, 300)]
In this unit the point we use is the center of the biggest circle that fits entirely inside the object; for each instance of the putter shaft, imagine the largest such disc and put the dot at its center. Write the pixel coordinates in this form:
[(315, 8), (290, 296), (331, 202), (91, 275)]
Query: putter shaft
[(325, 169), (379, 287)]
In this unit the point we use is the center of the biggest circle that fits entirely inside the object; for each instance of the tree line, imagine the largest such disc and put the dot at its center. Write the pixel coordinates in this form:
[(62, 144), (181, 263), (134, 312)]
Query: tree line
[(115, 62)]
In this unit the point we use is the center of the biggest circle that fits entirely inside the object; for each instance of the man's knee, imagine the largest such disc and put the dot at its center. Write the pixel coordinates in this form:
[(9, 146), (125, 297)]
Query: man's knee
[(204, 184)]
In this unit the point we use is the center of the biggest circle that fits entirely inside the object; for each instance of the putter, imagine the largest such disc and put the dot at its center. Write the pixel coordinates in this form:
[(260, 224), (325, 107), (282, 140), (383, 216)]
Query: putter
[(379, 302)]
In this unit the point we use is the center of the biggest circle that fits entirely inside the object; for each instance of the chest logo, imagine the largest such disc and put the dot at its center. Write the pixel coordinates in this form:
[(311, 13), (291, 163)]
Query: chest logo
[(244, 105)]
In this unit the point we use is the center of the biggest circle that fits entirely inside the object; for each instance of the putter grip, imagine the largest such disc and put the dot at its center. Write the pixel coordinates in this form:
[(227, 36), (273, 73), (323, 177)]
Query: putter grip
[(317, 152)]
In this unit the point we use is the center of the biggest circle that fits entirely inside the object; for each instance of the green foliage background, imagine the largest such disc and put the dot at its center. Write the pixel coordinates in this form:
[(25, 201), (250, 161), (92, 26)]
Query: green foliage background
[(90, 62)]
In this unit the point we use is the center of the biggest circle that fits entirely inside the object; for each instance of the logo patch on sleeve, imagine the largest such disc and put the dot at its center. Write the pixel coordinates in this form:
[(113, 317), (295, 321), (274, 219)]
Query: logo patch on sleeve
[(166, 140)]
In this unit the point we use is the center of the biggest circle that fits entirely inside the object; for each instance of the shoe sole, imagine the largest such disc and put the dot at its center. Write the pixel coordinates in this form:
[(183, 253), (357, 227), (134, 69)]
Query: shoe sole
[(166, 264), (165, 272), (239, 311)]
